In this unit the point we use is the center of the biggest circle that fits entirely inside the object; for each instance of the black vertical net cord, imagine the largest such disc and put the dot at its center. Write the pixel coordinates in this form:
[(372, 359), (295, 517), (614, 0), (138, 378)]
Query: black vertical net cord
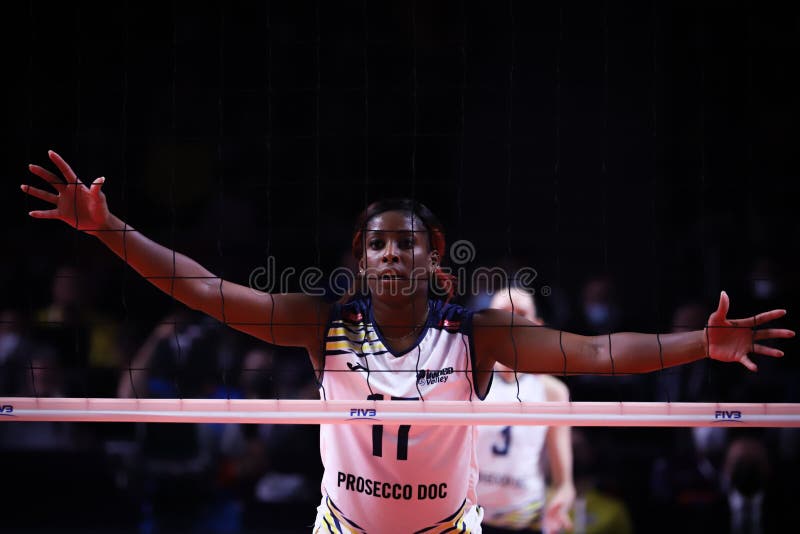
[(462, 112), (702, 155), (462, 109), (359, 278), (81, 363), (604, 174), (365, 134), (414, 107), (221, 181), (124, 179), (268, 154), (172, 186), (749, 103), (414, 133), (29, 101), (557, 167), (316, 134), (749, 44), (270, 143), (510, 176), (656, 180)]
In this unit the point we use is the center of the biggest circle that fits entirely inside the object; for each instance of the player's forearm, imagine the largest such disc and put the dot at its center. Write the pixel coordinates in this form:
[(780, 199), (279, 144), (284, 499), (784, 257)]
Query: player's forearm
[(173, 273), (559, 451), (625, 353)]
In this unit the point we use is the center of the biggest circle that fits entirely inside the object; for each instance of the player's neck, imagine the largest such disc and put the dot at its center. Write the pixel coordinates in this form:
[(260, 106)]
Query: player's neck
[(397, 317)]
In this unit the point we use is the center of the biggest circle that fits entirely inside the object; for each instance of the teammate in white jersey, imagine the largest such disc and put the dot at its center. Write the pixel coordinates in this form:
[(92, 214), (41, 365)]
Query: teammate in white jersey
[(511, 485), (390, 479)]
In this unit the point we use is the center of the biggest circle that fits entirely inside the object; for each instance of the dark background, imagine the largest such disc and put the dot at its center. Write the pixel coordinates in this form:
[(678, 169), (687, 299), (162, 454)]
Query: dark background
[(653, 142), (650, 141)]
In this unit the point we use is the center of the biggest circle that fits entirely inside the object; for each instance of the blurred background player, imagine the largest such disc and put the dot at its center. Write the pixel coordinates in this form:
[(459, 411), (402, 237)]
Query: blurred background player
[(512, 486)]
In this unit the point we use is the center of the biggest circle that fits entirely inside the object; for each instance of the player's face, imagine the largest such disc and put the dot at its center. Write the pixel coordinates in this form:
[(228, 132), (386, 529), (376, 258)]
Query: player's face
[(397, 256)]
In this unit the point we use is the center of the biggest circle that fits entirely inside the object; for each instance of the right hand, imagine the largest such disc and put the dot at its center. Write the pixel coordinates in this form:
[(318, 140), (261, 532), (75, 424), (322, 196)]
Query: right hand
[(556, 513), (83, 208)]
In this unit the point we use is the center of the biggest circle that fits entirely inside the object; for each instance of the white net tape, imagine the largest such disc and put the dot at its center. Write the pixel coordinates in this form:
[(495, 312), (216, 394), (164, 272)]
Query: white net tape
[(274, 411)]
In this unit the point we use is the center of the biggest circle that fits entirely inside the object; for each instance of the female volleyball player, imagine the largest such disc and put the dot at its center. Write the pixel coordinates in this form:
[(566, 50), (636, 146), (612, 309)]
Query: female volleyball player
[(396, 342), (511, 484)]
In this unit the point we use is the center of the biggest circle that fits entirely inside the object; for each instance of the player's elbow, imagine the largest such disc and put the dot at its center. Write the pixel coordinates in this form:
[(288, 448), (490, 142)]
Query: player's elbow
[(204, 295), (594, 356)]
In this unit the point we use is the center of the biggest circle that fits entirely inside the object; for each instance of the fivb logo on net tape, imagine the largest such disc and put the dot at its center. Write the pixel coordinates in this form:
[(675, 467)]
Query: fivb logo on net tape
[(728, 415), (363, 413)]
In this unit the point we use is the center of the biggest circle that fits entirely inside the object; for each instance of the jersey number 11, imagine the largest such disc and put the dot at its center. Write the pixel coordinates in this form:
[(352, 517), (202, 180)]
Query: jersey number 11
[(402, 432)]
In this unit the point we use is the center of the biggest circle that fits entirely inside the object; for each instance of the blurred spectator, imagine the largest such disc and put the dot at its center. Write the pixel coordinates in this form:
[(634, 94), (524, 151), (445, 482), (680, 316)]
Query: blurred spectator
[(776, 379), (42, 377), (45, 376), (766, 286), (83, 337), (753, 505), (600, 307), (200, 478), (601, 314), (182, 357), (181, 470), (684, 383), (595, 511), (685, 481), (258, 367), (15, 349), (288, 484)]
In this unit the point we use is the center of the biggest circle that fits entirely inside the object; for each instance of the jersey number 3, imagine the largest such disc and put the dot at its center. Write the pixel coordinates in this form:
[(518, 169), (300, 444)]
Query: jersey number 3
[(501, 449), (402, 432)]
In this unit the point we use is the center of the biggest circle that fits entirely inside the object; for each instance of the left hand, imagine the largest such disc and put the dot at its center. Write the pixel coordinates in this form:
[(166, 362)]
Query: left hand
[(731, 340)]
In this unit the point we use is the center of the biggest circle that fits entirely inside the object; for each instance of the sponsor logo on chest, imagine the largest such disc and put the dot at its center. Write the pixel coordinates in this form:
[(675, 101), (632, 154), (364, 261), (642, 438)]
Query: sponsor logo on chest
[(429, 377)]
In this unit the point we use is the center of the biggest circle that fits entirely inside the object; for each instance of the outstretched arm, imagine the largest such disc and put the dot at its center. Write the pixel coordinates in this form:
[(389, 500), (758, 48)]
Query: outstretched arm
[(526, 347), (287, 319)]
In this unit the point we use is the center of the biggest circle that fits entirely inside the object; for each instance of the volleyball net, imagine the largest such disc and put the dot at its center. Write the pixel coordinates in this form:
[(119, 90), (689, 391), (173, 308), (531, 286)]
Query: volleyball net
[(298, 411)]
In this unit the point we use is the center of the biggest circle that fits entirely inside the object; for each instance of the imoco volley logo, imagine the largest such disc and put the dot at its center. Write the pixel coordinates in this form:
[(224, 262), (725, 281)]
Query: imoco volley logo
[(426, 377)]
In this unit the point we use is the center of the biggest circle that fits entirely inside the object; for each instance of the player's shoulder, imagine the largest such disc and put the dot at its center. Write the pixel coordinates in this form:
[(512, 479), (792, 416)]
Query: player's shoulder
[(493, 317), (450, 317), (354, 311), (555, 389)]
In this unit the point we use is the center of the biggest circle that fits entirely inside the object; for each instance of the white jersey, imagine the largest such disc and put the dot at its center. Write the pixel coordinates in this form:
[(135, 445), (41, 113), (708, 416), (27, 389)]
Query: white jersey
[(398, 478), (511, 486)]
